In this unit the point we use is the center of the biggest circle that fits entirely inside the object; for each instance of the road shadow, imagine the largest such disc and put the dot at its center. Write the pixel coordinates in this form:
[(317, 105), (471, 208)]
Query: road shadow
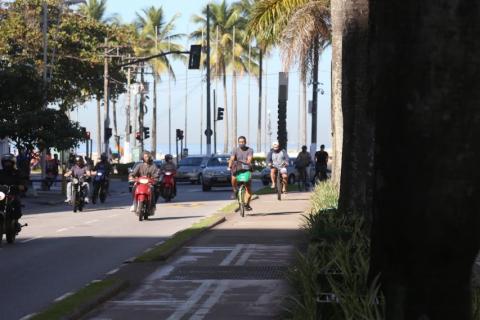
[(273, 214)]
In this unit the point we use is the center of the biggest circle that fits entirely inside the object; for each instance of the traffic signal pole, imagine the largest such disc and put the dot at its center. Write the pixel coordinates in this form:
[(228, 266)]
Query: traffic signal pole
[(214, 121), (208, 132)]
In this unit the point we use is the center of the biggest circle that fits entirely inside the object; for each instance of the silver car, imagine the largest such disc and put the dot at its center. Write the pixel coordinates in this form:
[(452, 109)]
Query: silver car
[(216, 172), (190, 168), (291, 171)]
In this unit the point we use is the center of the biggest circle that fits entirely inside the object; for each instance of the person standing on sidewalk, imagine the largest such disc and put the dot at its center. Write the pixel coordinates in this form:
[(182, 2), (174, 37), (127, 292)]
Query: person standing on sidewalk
[(302, 162), (321, 161), (241, 161)]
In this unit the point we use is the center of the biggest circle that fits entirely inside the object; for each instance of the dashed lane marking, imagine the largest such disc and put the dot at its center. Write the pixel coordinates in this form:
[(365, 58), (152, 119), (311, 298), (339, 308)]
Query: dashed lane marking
[(68, 294), (31, 239)]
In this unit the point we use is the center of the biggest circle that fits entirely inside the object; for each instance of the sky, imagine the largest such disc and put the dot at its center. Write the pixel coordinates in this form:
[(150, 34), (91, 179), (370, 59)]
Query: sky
[(191, 82)]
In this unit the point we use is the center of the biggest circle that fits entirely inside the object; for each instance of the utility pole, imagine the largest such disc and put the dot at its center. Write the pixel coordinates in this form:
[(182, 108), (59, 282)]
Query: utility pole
[(169, 109), (208, 132), (234, 96), (249, 90), (45, 72), (214, 121), (106, 123), (282, 110), (259, 123), (127, 121), (142, 109), (313, 146), (201, 107)]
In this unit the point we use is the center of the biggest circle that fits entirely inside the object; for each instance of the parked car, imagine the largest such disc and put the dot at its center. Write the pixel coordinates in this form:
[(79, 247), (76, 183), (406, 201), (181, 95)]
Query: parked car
[(216, 172), (190, 168), (158, 163), (291, 171)]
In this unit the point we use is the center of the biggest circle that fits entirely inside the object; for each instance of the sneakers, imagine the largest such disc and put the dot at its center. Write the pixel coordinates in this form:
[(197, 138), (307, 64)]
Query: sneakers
[(272, 186), (86, 200), (132, 208), (67, 201), (248, 208)]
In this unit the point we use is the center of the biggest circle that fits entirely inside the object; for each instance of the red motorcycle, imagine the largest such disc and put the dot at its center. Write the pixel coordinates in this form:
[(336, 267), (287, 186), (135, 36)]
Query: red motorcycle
[(167, 187), (143, 197)]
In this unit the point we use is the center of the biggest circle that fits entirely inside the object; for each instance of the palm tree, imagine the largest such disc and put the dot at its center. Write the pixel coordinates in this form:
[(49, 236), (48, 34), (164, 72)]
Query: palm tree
[(157, 35), (300, 27), (223, 18), (95, 9)]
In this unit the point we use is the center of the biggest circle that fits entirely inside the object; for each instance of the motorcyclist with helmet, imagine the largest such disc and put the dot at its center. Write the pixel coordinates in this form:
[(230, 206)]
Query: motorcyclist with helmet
[(105, 167), (169, 166), (79, 170), (146, 169), (11, 176)]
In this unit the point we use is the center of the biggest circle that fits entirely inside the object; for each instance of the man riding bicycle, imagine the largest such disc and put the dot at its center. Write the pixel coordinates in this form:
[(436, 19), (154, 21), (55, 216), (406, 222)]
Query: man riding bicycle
[(277, 159), (240, 163)]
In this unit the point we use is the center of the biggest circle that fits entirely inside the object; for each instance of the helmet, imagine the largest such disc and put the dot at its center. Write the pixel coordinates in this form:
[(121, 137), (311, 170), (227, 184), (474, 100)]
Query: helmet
[(8, 158), (103, 157), (168, 157), (79, 159)]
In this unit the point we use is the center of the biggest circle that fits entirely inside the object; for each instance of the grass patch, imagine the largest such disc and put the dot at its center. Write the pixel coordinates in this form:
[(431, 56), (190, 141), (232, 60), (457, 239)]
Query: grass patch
[(229, 208), (72, 304), (164, 250), (268, 190)]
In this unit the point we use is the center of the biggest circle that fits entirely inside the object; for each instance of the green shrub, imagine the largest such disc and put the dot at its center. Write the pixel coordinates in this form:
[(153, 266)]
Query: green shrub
[(476, 303)]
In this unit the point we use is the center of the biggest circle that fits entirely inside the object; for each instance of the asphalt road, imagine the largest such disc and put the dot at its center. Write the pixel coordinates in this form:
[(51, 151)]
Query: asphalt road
[(61, 251)]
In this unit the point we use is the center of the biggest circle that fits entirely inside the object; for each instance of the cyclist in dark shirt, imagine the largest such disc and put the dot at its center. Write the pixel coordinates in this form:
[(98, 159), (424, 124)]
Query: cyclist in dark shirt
[(321, 161)]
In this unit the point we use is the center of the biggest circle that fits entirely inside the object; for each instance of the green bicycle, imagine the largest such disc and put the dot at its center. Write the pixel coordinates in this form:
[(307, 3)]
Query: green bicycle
[(242, 179)]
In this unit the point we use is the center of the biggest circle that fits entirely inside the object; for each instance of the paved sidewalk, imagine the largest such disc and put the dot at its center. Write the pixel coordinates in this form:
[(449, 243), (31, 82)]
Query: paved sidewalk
[(234, 271)]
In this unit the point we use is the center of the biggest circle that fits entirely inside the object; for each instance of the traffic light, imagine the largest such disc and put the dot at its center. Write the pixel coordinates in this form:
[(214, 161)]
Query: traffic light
[(179, 134), (84, 133), (220, 113), (146, 132), (138, 136), (108, 133), (195, 55)]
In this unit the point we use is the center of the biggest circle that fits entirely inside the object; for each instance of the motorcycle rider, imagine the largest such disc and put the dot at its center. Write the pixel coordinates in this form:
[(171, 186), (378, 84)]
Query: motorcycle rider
[(277, 159), (79, 170), (9, 175), (145, 169), (104, 166), (170, 167)]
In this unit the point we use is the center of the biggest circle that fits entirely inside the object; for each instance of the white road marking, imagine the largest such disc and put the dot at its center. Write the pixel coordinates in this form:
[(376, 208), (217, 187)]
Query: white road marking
[(148, 302), (159, 243), (68, 294), (211, 301), (62, 229), (147, 250), (31, 239), (244, 257), (28, 316), (159, 274), (91, 221), (228, 259), (130, 260), (112, 271), (196, 296)]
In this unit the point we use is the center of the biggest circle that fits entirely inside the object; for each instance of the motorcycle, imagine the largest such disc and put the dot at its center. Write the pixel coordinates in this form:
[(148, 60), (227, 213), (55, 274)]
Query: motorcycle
[(100, 187), (79, 193), (8, 220), (142, 197), (167, 186)]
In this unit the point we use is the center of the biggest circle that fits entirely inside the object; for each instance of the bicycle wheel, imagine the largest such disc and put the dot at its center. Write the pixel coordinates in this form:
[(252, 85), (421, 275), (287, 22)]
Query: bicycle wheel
[(279, 185), (241, 200)]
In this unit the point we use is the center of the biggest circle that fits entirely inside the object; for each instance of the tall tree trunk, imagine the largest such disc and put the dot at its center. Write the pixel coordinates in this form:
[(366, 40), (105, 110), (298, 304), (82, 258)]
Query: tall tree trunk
[(259, 123), (336, 92), (425, 235), (154, 118), (225, 114), (358, 121), (99, 127)]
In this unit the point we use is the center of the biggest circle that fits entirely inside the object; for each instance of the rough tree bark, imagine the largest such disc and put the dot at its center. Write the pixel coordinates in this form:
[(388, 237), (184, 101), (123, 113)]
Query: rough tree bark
[(425, 75), (350, 23)]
